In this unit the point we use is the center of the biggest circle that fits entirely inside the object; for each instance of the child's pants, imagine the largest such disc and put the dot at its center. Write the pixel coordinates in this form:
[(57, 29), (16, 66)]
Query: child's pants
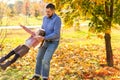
[(21, 50)]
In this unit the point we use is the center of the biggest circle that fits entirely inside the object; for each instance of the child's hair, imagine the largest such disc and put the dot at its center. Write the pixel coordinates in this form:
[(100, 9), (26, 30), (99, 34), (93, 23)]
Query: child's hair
[(41, 32)]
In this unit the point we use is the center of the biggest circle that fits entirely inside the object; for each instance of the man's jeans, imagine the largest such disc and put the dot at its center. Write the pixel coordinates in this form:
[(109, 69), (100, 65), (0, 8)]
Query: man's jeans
[(44, 57)]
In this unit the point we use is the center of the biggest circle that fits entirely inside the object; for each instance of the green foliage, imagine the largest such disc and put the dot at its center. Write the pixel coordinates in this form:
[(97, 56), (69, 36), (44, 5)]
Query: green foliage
[(69, 10), (97, 23), (117, 14), (98, 10), (99, 17)]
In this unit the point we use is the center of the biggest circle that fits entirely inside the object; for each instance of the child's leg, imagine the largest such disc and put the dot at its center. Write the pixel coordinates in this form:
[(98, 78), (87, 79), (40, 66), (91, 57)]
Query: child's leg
[(21, 51), (15, 58), (9, 54), (8, 63), (13, 52)]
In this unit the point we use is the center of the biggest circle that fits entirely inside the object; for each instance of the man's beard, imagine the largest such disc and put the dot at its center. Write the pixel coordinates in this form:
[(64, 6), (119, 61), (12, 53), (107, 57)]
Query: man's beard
[(50, 16)]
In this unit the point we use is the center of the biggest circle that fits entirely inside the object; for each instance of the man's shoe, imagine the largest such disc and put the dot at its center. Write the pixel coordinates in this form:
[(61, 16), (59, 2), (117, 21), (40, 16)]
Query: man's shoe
[(35, 78), (45, 79)]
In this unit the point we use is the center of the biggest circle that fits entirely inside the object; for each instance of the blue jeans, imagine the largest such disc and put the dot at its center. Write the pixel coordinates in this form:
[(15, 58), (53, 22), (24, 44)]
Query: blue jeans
[(44, 57)]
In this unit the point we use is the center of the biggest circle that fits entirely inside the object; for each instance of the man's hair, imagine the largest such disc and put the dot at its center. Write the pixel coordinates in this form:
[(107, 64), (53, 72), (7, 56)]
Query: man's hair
[(51, 6)]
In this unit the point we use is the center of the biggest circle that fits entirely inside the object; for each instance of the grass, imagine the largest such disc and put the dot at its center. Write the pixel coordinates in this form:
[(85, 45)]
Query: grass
[(78, 54), (14, 21)]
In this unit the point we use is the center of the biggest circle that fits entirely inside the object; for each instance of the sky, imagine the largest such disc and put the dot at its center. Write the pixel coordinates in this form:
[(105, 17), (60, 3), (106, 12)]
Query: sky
[(13, 1)]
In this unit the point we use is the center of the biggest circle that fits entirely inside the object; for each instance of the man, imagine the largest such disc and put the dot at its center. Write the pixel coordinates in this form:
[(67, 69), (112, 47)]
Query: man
[(51, 25)]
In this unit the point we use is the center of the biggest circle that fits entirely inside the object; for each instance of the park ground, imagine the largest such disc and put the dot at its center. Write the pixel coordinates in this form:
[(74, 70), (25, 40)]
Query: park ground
[(80, 56)]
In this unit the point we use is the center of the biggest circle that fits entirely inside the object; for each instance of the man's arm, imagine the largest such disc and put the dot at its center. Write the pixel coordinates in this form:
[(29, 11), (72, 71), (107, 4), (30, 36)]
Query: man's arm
[(27, 30), (56, 32)]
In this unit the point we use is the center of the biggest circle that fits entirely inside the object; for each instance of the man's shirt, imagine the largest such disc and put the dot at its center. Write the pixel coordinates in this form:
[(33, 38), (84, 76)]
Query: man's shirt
[(52, 27)]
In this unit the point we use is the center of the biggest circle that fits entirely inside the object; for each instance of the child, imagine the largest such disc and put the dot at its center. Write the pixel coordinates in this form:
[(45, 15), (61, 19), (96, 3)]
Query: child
[(21, 50)]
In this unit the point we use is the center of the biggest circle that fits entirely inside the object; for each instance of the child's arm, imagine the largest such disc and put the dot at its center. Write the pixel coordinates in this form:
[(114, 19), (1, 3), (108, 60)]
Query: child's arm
[(39, 38), (27, 30)]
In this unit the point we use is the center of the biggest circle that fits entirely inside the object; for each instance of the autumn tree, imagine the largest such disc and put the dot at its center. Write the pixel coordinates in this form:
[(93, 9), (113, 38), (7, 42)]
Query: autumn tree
[(1, 12), (26, 7), (18, 7), (35, 9), (42, 7), (103, 14), (3, 9)]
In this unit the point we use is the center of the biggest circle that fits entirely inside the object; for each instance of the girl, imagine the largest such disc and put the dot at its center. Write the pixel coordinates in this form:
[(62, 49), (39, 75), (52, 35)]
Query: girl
[(21, 50)]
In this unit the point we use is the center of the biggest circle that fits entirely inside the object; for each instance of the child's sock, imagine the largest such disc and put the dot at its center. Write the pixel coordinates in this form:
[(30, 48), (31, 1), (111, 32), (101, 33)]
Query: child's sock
[(15, 58), (2, 59), (9, 54)]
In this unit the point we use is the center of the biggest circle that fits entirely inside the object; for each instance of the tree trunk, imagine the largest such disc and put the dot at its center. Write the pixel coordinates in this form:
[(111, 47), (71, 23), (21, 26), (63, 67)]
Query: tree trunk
[(109, 14), (109, 53)]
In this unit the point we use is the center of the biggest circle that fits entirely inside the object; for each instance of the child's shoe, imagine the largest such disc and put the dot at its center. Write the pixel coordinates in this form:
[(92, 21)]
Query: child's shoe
[(4, 66)]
